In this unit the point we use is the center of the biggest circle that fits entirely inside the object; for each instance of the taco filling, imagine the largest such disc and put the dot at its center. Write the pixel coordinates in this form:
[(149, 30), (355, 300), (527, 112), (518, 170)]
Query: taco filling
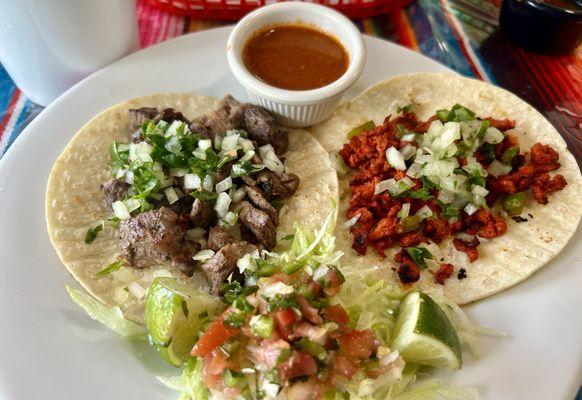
[(455, 176), (204, 192)]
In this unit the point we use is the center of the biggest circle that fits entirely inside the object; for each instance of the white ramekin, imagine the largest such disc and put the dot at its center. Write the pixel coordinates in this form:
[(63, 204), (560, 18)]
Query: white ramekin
[(297, 108)]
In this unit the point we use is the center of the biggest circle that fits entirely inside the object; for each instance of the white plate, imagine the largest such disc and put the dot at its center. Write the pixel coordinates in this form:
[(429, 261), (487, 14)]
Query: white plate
[(52, 350)]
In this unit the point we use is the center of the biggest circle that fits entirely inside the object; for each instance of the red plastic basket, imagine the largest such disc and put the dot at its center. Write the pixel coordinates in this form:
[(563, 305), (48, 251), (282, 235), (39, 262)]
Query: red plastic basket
[(235, 9)]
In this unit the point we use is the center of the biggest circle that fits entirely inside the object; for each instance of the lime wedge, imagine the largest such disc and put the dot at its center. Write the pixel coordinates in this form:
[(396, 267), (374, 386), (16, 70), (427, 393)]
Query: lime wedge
[(424, 334), (174, 315)]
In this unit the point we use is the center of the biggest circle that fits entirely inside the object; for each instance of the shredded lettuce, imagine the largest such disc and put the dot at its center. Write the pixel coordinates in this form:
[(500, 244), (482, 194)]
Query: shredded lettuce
[(189, 383), (435, 390), (111, 317)]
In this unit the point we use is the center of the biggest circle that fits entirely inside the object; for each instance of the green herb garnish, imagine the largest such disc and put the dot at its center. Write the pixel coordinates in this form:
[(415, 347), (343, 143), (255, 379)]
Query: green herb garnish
[(91, 234), (114, 266), (419, 255)]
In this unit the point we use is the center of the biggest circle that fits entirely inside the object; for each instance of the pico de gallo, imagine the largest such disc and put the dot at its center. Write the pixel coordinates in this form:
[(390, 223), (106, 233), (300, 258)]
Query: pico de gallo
[(455, 175), (283, 326)]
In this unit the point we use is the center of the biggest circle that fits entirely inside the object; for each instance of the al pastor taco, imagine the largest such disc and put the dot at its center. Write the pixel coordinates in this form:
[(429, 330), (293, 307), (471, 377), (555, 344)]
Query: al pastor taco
[(179, 185), (450, 184)]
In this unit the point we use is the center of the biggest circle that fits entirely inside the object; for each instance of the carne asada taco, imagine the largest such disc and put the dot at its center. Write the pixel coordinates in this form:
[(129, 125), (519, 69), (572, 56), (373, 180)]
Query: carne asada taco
[(179, 185), (450, 184)]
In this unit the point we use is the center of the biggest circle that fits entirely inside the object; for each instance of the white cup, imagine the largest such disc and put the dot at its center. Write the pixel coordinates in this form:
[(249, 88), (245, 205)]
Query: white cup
[(49, 45)]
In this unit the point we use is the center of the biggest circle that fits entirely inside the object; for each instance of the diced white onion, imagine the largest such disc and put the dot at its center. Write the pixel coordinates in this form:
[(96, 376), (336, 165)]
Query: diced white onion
[(409, 137), (208, 183), (395, 158), (203, 255), (132, 204), (470, 209), (171, 195), (230, 218), (230, 142), (413, 170), (497, 168), (143, 151), (479, 191), (200, 154), (173, 145), (173, 128), (218, 141), (390, 358), (247, 157), (178, 172), (224, 185), (120, 210), (162, 273), (351, 222), (195, 233), (192, 181), (246, 145), (406, 181), (320, 272), (405, 210), (238, 195), (204, 144), (271, 160), (246, 262), (424, 213), (129, 177), (222, 204), (120, 295), (166, 182), (493, 135), (136, 290), (446, 196), (382, 186), (408, 151), (277, 288)]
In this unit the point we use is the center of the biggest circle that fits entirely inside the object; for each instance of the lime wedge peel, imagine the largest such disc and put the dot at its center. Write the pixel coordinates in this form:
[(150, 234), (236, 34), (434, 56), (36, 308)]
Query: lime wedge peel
[(424, 334), (174, 315)]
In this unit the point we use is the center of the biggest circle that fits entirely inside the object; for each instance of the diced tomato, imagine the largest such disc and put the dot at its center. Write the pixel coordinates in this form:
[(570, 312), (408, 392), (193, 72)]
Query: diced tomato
[(216, 334), (299, 364), (334, 283), (214, 366), (268, 351), (357, 344), (285, 320), (344, 366), (336, 313), (309, 312)]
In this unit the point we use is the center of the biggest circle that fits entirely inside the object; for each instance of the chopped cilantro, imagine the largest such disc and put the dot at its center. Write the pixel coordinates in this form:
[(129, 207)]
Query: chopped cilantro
[(421, 194), (114, 266), (288, 237), (235, 319), (204, 196), (449, 211), (419, 255), (407, 108), (489, 151), (91, 234), (282, 303)]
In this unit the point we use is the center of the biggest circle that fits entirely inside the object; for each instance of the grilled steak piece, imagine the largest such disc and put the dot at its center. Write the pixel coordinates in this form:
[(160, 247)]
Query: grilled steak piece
[(228, 115), (219, 236), (170, 115), (114, 190), (153, 237), (202, 213), (280, 143), (259, 223), (138, 116), (259, 123), (279, 187), (255, 195), (223, 263)]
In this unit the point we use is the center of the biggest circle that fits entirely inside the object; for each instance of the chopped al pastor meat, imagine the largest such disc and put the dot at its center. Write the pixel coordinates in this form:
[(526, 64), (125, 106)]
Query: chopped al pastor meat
[(469, 247), (444, 272), (420, 182)]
